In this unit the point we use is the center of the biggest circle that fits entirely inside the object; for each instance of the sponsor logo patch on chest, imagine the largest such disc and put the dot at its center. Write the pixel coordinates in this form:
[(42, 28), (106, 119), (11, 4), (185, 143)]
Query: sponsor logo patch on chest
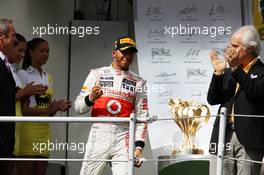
[(106, 81), (129, 85)]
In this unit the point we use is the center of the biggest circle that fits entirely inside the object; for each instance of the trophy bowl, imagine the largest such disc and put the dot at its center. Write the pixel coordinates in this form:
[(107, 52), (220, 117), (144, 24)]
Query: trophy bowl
[(189, 117)]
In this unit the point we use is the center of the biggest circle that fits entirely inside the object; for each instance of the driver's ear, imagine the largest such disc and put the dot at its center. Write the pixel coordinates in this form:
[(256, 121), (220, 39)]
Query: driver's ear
[(114, 53)]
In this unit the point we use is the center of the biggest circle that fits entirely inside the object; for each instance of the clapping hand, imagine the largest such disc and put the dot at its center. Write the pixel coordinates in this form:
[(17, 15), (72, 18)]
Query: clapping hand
[(218, 63)]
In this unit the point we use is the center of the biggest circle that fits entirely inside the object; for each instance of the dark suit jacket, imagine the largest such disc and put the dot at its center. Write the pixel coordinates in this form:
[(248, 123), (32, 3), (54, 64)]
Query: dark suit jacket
[(248, 100), (7, 108)]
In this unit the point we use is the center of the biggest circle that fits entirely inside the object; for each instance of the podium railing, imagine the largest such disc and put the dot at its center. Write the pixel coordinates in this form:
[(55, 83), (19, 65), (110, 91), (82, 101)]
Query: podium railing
[(131, 121)]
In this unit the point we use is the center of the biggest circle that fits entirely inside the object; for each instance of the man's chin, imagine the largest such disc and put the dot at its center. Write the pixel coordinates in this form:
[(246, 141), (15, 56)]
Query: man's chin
[(125, 66)]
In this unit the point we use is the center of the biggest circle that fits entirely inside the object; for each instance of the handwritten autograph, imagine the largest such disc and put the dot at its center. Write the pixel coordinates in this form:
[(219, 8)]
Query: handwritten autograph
[(165, 74), (188, 10), (196, 72), (160, 52), (192, 52), (154, 11), (167, 93), (156, 32), (217, 10)]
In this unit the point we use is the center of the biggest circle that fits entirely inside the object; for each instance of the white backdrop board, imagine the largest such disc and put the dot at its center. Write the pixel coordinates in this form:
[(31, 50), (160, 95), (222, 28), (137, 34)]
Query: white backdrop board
[(175, 59)]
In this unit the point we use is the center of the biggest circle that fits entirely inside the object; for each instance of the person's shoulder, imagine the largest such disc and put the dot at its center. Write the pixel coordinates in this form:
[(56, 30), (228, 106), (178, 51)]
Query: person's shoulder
[(260, 62), (27, 71), (258, 68), (259, 65), (22, 72), (100, 69), (136, 76), (22, 75), (2, 64)]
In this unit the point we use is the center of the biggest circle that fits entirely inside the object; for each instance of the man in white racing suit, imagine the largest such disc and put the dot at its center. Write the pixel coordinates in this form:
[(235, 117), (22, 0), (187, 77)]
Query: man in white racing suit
[(117, 92)]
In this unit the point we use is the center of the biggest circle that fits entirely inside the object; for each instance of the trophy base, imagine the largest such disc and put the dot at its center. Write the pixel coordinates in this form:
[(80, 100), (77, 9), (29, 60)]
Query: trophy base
[(181, 164), (188, 152)]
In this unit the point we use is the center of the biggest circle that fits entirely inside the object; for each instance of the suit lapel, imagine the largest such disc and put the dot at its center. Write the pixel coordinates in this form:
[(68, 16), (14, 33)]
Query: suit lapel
[(8, 73), (231, 82), (238, 91), (253, 70)]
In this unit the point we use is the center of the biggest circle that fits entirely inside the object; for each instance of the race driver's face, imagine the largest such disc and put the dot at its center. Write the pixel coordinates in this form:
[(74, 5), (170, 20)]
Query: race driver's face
[(123, 59)]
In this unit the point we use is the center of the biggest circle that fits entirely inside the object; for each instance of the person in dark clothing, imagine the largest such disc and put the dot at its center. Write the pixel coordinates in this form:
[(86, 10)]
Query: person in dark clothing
[(7, 93), (240, 88)]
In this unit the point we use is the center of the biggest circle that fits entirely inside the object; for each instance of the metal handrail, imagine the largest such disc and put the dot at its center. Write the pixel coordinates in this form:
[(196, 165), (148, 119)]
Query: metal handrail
[(85, 119), (132, 120)]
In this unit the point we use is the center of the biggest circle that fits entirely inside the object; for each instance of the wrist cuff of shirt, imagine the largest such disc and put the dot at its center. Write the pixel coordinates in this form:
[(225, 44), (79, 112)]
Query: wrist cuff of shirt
[(138, 147), (88, 101), (140, 144), (219, 73)]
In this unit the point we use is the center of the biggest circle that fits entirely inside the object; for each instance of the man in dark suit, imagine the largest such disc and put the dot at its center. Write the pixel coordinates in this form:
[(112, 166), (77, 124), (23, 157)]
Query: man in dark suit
[(7, 94), (240, 88)]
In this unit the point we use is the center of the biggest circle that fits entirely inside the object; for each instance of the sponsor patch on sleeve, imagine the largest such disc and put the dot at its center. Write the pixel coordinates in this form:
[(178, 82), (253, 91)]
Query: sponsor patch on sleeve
[(84, 88)]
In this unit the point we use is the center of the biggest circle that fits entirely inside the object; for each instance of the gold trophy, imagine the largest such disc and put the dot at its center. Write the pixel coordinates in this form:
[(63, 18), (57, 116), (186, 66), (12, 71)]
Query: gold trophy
[(189, 116)]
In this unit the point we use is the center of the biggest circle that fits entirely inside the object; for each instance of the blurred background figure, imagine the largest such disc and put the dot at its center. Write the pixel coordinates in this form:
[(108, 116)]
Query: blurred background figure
[(240, 88), (39, 102), (22, 92), (7, 94)]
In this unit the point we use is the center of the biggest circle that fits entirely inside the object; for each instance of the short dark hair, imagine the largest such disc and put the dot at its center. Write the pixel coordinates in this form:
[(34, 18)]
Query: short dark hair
[(19, 38)]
